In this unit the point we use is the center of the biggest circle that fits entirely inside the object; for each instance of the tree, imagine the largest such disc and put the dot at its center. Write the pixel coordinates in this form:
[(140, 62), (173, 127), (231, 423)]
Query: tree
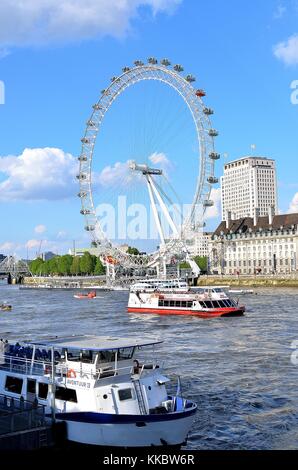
[(202, 262), (36, 265), (75, 266), (131, 250), (99, 268), (64, 264), (86, 263), (53, 265)]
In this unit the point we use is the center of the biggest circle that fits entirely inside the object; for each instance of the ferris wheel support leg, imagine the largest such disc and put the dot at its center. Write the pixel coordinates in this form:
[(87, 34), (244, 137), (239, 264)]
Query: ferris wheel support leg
[(164, 208), (154, 208)]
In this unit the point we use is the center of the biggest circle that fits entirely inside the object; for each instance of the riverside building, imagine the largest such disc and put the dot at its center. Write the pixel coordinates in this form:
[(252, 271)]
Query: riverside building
[(255, 245), (247, 184)]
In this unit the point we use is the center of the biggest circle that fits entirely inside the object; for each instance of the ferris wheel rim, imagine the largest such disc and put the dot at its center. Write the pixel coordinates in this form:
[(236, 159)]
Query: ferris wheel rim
[(195, 104)]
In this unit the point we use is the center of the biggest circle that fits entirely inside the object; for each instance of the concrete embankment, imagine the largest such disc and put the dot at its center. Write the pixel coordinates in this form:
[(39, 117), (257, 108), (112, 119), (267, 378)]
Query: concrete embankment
[(65, 281), (249, 281)]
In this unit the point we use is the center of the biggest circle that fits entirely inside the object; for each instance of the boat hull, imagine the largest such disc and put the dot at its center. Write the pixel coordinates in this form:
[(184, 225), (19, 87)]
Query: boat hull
[(212, 313), (100, 429)]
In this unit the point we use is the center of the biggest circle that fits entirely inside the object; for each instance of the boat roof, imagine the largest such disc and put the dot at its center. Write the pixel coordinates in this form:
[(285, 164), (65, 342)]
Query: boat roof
[(98, 343)]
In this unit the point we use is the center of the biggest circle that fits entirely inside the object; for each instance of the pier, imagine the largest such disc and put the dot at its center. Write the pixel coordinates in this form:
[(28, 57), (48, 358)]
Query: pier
[(23, 425)]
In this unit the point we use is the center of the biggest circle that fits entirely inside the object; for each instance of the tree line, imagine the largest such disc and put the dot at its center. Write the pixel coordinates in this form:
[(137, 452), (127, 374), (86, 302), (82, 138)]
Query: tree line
[(68, 265)]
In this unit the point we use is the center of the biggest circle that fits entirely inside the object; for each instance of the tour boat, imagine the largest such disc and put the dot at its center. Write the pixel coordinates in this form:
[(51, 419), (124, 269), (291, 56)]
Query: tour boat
[(90, 295), (204, 302), (106, 395)]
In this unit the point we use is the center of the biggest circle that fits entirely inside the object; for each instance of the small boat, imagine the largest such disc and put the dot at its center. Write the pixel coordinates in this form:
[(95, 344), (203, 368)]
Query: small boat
[(241, 291), (6, 307), (203, 302), (90, 295), (103, 388)]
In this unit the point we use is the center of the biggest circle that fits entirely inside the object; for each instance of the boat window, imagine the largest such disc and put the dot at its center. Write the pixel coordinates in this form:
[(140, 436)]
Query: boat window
[(125, 394), (216, 304), (13, 384), (225, 303), (217, 289), (125, 353), (203, 304), (189, 304), (208, 304), (172, 303), (183, 304), (86, 356), (178, 303), (31, 386), (42, 390), (166, 303), (160, 303), (66, 394), (73, 355), (106, 356)]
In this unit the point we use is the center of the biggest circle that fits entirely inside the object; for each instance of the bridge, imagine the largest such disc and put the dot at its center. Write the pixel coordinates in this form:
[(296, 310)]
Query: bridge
[(14, 268)]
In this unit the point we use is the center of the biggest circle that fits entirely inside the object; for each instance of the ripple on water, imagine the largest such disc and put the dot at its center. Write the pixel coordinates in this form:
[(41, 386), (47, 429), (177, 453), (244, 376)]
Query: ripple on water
[(238, 370)]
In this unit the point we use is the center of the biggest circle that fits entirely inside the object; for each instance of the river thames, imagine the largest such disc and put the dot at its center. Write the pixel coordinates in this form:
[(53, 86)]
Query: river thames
[(238, 370)]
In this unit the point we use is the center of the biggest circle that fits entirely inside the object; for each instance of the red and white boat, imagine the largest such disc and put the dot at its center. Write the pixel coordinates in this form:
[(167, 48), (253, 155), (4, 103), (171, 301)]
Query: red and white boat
[(204, 302), (90, 295)]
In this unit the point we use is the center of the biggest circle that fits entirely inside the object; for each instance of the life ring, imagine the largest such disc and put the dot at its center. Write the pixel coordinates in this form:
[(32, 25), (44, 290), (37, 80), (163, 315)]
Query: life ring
[(71, 374)]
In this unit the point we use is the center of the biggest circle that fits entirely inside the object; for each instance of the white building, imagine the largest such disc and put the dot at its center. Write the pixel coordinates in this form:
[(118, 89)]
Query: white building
[(258, 245), (199, 244), (248, 183)]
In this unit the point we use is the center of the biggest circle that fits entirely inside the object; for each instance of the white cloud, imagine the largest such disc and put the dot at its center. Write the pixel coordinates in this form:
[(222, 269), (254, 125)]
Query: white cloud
[(160, 159), (61, 235), (35, 244), (280, 11), (119, 174), (293, 208), (7, 247), (287, 51), (40, 228), (215, 210), (36, 22), (38, 174)]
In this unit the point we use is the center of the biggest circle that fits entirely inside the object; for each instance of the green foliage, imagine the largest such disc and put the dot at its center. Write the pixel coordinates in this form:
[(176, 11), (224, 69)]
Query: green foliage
[(99, 268), (184, 265), (75, 266), (132, 251), (68, 265), (35, 266), (64, 264), (86, 263), (202, 262)]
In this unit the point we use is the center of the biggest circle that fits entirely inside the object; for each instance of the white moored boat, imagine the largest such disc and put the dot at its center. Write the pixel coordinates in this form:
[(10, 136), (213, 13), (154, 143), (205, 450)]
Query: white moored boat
[(204, 302), (106, 396)]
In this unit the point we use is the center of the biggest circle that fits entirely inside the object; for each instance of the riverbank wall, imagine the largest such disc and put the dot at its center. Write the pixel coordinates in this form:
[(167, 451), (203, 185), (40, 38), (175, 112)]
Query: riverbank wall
[(250, 281)]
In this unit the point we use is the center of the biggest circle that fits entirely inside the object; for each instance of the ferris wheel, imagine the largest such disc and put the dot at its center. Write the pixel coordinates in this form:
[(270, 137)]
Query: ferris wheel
[(205, 135)]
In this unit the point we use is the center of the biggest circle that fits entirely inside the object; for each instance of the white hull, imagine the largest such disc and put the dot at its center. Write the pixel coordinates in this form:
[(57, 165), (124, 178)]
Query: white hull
[(168, 432)]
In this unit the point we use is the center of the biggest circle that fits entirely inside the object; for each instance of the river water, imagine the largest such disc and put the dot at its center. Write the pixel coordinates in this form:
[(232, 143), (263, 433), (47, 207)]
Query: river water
[(238, 370)]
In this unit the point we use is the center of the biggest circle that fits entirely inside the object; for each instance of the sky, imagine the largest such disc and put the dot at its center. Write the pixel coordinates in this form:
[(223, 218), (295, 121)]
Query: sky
[(57, 56)]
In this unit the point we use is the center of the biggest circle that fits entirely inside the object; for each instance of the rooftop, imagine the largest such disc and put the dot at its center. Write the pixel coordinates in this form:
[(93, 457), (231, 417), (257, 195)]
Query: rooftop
[(245, 224), (98, 343)]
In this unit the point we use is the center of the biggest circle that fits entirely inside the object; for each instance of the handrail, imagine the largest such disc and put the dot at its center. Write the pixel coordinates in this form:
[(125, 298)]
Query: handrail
[(62, 369)]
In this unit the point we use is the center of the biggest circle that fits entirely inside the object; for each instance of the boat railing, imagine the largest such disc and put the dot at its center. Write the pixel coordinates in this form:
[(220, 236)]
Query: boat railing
[(24, 365), (63, 370)]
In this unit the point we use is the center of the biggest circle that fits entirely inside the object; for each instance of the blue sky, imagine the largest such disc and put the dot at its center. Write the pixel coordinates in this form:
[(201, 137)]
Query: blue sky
[(56, 57)]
